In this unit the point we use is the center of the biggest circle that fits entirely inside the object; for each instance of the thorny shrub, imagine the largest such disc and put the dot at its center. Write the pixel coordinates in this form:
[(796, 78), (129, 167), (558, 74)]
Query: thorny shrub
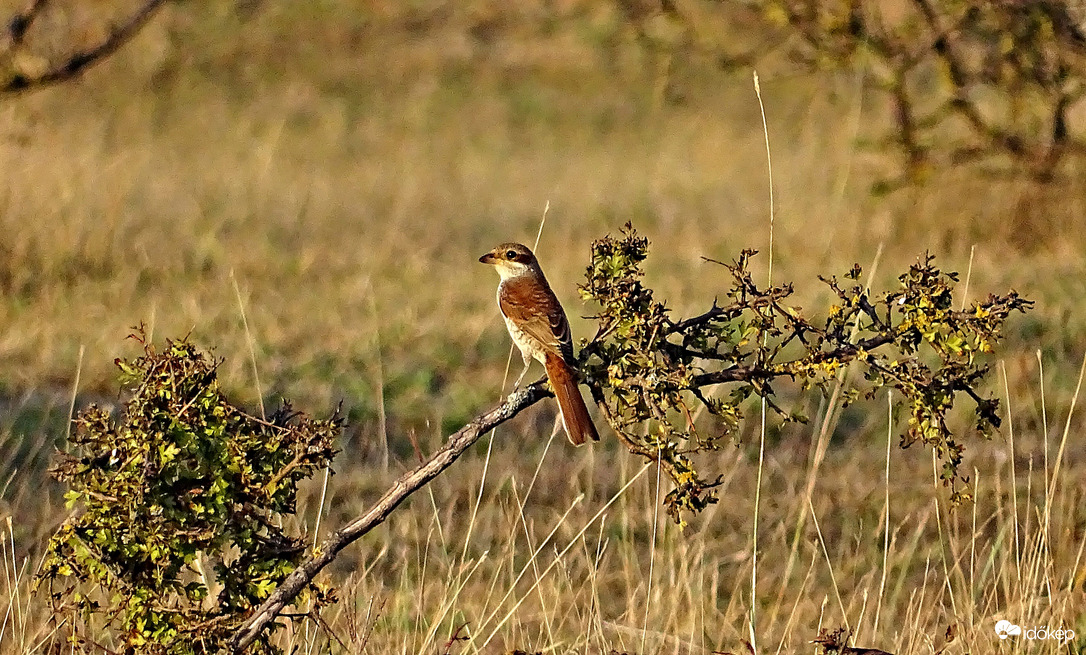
[(648, 370), (179, 531)]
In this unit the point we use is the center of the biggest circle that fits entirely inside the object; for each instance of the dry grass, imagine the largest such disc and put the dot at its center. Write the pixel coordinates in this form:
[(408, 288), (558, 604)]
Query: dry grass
[(347, 172), (558, 555)]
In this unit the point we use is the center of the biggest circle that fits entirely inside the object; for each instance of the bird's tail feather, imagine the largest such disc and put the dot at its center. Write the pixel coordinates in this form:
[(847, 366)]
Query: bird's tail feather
[(575, 417)]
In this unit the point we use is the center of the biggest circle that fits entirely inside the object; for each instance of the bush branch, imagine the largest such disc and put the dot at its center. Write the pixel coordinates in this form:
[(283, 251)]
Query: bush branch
[(410, 482)]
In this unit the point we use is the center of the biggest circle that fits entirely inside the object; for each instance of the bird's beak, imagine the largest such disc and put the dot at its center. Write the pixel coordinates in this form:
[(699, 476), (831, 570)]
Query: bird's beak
[(487, 258)]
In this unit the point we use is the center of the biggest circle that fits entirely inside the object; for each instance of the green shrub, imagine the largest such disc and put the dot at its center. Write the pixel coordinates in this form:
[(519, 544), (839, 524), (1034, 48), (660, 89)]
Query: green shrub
[(179, 532), (649, 371)]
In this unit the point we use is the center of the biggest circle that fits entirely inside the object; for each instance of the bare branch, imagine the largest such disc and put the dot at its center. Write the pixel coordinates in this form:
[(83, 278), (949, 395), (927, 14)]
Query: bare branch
[(79, 61), (20, 23), (410, 482), (844, 353)]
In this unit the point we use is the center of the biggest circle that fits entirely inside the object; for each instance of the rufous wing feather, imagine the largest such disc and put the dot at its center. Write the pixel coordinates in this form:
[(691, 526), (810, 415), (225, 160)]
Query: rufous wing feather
[(575, 417)]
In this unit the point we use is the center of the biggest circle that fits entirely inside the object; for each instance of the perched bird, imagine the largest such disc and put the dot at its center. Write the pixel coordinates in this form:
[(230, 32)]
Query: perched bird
[(539, 328)]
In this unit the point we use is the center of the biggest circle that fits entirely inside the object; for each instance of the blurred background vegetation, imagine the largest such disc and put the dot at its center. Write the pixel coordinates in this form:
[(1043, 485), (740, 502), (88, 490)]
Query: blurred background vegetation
[(306, 187), (342, 163)]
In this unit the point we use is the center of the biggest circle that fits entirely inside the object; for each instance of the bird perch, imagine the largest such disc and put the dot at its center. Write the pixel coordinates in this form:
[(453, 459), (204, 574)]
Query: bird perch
[(407, 484)]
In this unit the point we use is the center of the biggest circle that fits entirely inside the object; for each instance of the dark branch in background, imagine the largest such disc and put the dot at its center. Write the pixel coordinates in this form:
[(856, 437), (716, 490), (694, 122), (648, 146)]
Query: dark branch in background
[(21, 22), (968, 81), (76, 62), (410, 482)]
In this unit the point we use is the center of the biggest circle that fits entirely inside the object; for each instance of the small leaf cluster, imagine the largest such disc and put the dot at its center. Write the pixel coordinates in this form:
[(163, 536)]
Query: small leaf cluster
[(179, 530), (649, 372)]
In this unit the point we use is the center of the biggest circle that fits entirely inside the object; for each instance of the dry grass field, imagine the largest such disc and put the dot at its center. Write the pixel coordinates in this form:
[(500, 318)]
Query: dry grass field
[(306, 189)]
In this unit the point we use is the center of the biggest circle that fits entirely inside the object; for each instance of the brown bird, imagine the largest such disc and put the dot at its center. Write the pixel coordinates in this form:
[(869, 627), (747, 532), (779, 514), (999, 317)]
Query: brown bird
[(539, 327)]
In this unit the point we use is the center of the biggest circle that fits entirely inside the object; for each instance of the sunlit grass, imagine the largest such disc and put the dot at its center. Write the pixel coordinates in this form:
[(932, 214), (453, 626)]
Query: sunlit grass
[(347, 174)]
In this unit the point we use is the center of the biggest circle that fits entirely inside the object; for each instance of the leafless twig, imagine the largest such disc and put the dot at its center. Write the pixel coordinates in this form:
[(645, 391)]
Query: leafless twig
[(76, 62), (410, 482)]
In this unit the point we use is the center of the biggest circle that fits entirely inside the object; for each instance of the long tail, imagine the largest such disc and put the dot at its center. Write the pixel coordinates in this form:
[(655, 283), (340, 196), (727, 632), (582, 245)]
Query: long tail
[(575, 416)]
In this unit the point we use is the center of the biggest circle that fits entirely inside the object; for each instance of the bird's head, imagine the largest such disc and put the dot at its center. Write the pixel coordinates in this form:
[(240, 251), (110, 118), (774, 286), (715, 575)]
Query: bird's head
[(511, 260)]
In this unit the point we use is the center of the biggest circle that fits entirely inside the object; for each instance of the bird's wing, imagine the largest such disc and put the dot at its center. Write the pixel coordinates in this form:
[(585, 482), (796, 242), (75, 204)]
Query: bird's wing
[(536, 311)]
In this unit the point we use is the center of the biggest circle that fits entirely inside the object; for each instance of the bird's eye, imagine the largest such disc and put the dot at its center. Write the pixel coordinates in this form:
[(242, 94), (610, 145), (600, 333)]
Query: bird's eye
[(512, 254)]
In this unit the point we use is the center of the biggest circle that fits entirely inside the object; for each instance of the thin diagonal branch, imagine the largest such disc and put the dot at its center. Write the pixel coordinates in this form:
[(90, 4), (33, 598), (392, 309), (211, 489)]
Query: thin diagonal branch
[(407, 484)]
